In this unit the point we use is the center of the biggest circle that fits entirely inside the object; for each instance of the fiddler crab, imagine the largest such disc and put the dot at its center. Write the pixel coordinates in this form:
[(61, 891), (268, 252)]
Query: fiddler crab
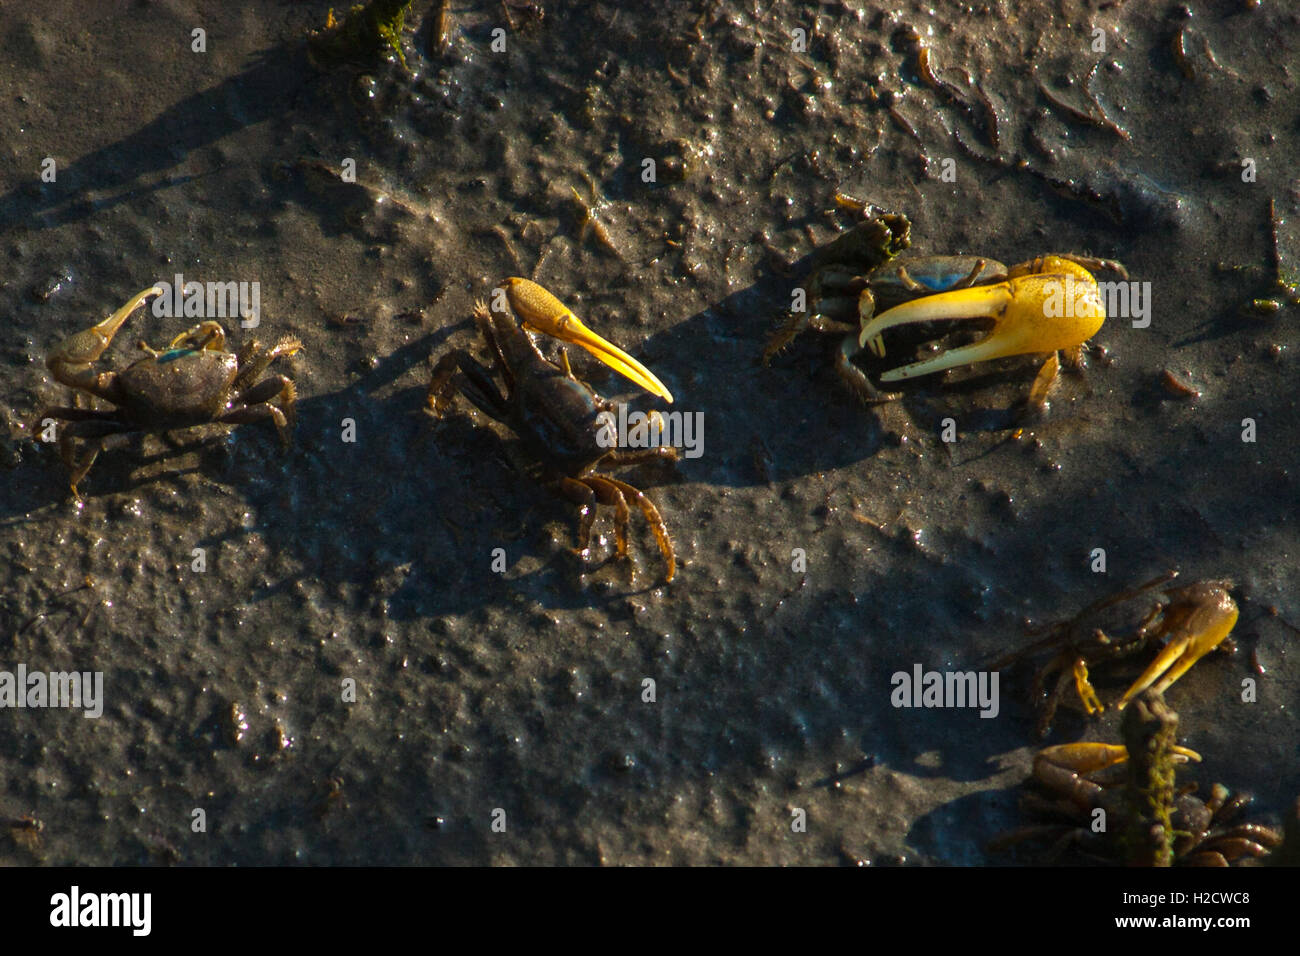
[(193, 381), (559, 418), (1048, 305), (1191, 620), (1120, 803)]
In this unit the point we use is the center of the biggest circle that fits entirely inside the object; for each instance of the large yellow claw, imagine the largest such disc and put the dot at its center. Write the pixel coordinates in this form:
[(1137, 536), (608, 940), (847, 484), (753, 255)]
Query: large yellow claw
[(71, 359), (88, 345), (543, 312), (1045, 305), (1198, 620)]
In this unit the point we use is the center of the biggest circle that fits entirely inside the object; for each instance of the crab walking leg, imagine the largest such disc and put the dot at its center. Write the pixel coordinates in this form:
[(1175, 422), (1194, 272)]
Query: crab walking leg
[(1202, 630), (254, 359), (1044, 380), (70, 361), (1032, 313), (582, 494), (654, 519), (1087, 694), (543, 312), (254, 404), (1051, 263), (855, 378), (608, 493)]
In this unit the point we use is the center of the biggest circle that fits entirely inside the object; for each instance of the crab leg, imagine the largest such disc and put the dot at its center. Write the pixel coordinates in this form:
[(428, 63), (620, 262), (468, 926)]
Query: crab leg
[(654, 519), (1041, 312), (608, 493), (543, 312)]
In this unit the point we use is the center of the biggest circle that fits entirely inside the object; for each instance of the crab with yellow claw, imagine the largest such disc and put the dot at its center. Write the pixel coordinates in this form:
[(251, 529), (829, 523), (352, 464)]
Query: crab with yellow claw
[(1190, 620), (1047, 305), (193, 381), (1119, 803), (560, 419)]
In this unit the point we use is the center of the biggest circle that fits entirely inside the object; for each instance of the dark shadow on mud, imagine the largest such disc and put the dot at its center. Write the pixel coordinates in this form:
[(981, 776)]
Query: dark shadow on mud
[(958, 832), (273, 86)]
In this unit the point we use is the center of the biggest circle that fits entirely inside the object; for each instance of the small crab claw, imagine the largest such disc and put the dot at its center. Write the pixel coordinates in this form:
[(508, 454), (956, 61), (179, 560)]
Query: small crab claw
[(70, 361), (1080, 757), (1204, 616), (208, 336), (543, 312), (1059, 308), (1085, 757)]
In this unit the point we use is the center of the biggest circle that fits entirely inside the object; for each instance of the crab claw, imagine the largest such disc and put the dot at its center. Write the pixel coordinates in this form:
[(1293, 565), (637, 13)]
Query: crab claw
[(543, 312), (1200, 618), (208, 336), (70, 361), (1084, 758), (88, 345), (1087, 694), (1056, 308)]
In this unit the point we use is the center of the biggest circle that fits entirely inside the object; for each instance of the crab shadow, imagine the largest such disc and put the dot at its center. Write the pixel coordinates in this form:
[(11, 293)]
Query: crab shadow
[(959, 832), (279, 81), (450, 508)]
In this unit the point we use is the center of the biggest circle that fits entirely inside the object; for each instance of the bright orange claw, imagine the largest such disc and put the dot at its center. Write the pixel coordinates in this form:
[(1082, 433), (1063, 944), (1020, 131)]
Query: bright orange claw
[(543, 312)]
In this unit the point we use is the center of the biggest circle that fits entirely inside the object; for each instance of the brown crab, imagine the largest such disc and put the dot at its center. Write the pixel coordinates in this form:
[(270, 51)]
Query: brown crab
[(1136, 816), (1191, 620), (193, 381), (563, 423)]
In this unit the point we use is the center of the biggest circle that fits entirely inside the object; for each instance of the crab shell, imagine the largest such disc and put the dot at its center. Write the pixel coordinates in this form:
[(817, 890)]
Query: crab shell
[(178, 388)]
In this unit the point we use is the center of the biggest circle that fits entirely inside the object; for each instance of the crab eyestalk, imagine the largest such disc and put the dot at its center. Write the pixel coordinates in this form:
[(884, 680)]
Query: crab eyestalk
[(71, 359), (1057, 308), (543, 312)]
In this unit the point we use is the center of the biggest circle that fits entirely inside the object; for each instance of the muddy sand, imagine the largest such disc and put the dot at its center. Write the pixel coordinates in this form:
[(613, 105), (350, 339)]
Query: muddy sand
[(823, 545)]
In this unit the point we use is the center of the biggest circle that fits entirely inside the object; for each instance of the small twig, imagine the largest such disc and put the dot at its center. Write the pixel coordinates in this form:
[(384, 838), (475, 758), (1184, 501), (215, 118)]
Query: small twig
[(593, 225), (1098, 119), (440, 34)]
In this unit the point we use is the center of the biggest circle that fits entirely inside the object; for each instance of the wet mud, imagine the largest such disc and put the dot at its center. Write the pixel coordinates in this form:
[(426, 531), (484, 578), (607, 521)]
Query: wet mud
[(824, 545)]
